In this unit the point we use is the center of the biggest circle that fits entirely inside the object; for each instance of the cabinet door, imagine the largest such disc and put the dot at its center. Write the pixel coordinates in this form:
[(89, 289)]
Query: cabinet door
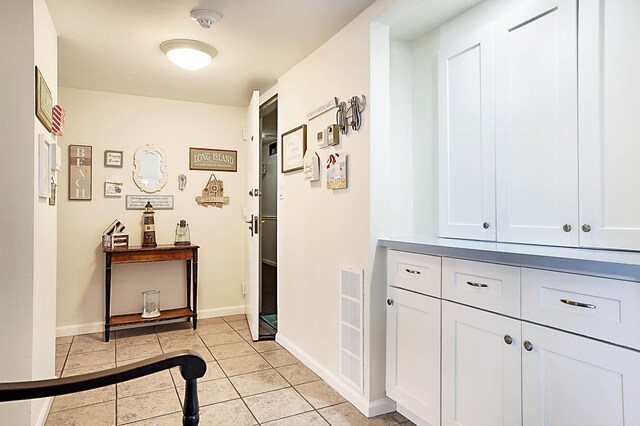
[(536, 124), (575, 381), (480, 369), (609, 90), (466, 138), (413, 354)]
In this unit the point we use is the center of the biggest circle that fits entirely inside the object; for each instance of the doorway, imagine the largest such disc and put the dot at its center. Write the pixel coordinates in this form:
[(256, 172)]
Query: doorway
[(268, 295)]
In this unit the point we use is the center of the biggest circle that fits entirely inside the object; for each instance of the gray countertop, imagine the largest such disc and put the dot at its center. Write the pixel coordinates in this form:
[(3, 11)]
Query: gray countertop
[(607, 263)]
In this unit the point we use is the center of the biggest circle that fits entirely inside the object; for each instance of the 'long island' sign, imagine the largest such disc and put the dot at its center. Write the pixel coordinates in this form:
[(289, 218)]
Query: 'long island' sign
[(213, 159)]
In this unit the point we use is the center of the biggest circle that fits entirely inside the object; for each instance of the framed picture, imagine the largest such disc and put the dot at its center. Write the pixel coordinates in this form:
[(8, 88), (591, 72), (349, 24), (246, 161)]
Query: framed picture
[(219, 160), (294, 146), (80, 171), (44, 101), (113, 189), (113, 158)]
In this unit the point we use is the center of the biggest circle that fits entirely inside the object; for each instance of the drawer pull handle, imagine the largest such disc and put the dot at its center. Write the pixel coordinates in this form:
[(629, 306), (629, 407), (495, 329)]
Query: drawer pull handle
[(412, 271), (527, 346), (389, 302), (578, 304), (475, 284), (508, 339)]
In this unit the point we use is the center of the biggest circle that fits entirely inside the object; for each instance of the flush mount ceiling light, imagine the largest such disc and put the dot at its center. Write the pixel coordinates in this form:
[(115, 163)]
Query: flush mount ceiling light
[(189, 54)]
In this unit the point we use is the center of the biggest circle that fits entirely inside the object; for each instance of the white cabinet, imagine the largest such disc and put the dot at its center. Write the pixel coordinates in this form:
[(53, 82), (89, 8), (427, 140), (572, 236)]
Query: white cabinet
[(536, 124), (574, 381), (609, 90), (413, 354), (480, 368), (466, 138)]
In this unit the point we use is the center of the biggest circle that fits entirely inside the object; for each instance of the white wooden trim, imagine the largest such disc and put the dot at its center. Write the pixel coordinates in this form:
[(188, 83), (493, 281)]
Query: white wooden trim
[(44, 412)]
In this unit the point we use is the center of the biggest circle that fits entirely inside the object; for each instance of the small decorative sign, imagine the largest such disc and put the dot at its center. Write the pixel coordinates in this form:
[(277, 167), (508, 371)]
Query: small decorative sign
[(113, 189), (44, 101), (213, 193), (328, 105), (159, 202), (337, 171), (113, 158), (220, 160), (80, 168), (294, 146)]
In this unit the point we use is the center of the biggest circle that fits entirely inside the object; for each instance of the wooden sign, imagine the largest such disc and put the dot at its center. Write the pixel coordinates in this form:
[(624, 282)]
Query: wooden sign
[(221, 160), (80, 172), (159, 202), (213, 193)]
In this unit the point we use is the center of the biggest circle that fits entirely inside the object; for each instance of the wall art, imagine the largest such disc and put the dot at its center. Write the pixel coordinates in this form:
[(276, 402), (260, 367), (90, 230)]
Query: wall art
[(294, 146), (44, 101), (213, 193), (113, 189), (80, 172), (221, 160), (337, 171), (113, 158), (159, 202)]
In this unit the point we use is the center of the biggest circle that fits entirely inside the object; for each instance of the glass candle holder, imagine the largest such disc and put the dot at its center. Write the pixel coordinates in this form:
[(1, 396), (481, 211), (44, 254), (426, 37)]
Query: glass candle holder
[(150, 304)]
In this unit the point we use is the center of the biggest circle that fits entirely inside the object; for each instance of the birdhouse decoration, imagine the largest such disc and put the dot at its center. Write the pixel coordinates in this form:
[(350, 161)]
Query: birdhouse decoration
[(213, 193), (149, 232)]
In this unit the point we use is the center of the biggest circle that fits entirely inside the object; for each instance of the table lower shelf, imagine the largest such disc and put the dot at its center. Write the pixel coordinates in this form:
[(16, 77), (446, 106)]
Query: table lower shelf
[(168, 314)]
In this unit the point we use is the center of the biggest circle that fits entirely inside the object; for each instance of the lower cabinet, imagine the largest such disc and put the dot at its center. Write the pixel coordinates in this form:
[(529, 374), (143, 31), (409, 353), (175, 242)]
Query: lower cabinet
[(480, 368), (413, 354)]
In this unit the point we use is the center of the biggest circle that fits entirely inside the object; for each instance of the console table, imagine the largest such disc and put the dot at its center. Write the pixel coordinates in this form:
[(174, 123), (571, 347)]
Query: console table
[(139, 254)]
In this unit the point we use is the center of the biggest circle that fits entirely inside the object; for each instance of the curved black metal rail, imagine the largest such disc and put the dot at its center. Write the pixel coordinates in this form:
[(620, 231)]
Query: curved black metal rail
[(192, 367)]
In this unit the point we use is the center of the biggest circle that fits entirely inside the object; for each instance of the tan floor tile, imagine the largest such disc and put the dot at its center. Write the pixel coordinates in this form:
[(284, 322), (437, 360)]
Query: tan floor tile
[(214, 328), (212, 392), (60, 360), (176, 334), (232, 412), (205, 354), (88, 369), (154, 382), (258, 382), (63, 349), (192, 342), (91, 337), (319, 394), (148, 405), (239, 325), (265, 345), (138, 351), (142, 339), (244, 364), (64, 340), (346, 414), (83, 347), (398, 417), (297, 374), (236, 317), (231, 350), (135, 331), (222, 338), (212, 320), (81, 399), (129, 361), (172, 419), (246, 335), (91, 358), (310, 418), (279, 357), (277, 404), (103, 414), (213, 372), (182, 325)]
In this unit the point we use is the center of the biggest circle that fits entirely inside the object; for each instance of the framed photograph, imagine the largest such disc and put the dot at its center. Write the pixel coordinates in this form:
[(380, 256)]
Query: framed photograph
[(44, 101), (113, 189), (80, 172), (294, 146), (113, 158), (218, 160)]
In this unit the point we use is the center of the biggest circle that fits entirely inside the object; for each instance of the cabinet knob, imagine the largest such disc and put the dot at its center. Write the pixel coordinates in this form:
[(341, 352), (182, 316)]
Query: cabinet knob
[(508, 339), (389, 302), (586, 227), (528, 346), (485, 225), (566, 227)]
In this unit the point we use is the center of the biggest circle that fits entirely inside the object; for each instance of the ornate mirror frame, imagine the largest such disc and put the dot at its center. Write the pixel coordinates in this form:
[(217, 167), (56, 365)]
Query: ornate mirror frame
[(137, 168)]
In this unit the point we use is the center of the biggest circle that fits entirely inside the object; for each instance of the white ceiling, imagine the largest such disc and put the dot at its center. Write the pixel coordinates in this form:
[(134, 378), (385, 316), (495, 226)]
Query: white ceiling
[(113, 45)]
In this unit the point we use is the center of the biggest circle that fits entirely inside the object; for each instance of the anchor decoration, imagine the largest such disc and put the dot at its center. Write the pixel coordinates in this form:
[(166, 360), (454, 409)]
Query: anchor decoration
[(213, 193)]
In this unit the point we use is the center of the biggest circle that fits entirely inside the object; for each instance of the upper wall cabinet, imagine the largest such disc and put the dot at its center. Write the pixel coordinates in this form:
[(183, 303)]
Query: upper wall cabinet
[(609, 89), (466, 138), (536, 124)]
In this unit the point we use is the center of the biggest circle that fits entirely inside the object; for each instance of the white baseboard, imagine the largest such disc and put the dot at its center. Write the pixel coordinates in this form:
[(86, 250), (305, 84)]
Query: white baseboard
[(44, 412), (94, 327), (368, 408)]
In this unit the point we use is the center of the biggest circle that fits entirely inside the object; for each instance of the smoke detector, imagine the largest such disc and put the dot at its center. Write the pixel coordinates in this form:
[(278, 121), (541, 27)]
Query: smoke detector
[(206, 18)]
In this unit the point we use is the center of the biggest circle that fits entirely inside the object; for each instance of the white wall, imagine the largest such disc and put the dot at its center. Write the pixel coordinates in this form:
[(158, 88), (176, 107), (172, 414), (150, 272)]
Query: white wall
[(125, 123)]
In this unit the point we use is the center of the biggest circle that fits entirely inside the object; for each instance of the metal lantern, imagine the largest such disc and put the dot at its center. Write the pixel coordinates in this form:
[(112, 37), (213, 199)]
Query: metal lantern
[(151, 304), (183, 236)]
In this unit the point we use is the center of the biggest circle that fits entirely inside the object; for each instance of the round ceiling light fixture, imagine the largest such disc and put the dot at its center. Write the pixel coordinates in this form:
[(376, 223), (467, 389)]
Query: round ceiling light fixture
[(189, 54)]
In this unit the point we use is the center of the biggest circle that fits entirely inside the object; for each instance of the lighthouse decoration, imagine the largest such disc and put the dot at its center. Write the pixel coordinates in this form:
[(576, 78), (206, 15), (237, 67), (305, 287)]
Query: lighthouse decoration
[(149, 233)]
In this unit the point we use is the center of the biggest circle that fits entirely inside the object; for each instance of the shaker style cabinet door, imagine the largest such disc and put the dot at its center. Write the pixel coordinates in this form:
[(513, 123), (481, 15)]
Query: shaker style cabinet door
[(536, 124), (575, 381), (480, 368), (608, 93), (413, 353), (466, 137)]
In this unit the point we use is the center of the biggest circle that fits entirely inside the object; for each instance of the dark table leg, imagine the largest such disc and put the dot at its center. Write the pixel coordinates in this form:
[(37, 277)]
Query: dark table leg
[(195, 288), (107, 296), (189, 283)]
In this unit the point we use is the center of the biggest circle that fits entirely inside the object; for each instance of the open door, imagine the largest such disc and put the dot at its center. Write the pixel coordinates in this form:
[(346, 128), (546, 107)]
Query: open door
[(252, 215)]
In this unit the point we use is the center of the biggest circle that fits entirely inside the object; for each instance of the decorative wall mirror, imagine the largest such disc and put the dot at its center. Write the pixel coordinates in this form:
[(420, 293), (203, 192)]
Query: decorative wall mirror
[(150, 168)]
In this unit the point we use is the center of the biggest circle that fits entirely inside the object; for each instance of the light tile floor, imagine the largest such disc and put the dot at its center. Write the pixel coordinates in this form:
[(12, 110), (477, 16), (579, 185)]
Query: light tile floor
[(247, 383)]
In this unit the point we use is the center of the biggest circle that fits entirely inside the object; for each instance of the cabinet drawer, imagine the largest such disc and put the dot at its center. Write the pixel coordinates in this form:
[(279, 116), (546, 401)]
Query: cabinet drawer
[(484, 285), (415, 272), (603, 308)]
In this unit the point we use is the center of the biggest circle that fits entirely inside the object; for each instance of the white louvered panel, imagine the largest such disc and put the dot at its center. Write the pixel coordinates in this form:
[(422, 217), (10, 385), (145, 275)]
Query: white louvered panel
[(351, 331)]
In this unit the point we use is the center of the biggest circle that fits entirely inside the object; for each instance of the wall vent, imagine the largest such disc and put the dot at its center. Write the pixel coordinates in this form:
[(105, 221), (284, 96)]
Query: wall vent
[(351, 326)]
